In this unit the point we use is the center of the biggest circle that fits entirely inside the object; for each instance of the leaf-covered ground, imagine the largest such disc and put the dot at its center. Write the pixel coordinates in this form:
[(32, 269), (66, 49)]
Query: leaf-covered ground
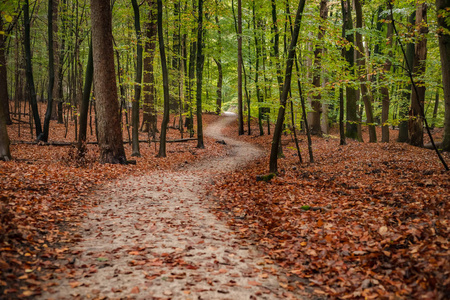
[(43, 193), (365, 221)]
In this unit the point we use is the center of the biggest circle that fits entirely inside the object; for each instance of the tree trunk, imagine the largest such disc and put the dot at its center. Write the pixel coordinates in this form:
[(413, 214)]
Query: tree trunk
[(415, 124), (403, 134), (351, 97), (273, 164), (149, 118), (239, 40), (29, 69), (84, 106), (5, 153), (259, 96), (162, 51), (107, 105), (362, 73), (199, 71), (4, 98), (444, 48), (138, 81), (51, 74), (385, 90), (315, 103), (219, 70), (57, 61)]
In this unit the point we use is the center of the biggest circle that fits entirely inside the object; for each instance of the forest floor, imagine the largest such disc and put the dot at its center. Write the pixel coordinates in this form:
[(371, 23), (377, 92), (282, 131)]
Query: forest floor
[(364, 221)]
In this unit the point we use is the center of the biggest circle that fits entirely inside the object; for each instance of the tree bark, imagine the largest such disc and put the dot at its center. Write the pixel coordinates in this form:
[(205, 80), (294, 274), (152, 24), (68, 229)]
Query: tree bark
[(352, 118), (239, 40), (149, 118), (315, 103), (219, 70), (362, 73), (385, 90), (84, 106), (273, 163), (138, 81), (403, 134), (107, 105), (416, 122), (444, 48), (162, 51), (51, 74), (29, 69), (199, 71), (4, 98)]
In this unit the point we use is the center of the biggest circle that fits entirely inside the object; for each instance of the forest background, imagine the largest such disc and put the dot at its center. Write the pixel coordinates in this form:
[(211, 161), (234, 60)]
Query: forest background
[(354, 69)]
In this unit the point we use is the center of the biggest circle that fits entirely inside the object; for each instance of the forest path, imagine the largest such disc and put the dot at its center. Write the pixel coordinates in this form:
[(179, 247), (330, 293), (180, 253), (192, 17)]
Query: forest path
[(153, 237)]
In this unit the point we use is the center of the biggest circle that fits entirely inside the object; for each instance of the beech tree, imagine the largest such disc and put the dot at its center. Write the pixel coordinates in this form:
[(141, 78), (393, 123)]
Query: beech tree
[(273, 163), (107, 106), (443, 7)]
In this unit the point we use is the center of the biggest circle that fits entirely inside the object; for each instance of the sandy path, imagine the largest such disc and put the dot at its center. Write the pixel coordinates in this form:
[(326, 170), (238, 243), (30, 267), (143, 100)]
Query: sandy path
[(153, 237)]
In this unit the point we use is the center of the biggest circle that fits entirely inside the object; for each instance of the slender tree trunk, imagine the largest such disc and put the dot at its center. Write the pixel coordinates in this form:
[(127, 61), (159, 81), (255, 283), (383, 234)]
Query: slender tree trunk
[(315, 103), (199, 71), (239, 40), (219, 86), (219, 70), (385, 90), (362, 73), (29, 69), (5, 153), (403, 133), (162, 51), (259, 95), (138, 81), (84, 106), (51, 74), (149, 118), (418, 94), (444, 48), (4, 98), (436, 108), (273, 164), (57, 61), (107, 106)]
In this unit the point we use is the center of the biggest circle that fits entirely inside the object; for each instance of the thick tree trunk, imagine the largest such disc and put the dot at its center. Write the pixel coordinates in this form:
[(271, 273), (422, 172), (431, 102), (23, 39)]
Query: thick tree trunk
[(273, 163), (316, 102), (444, 48), (138, 81), (361, 62), (199, 71), (418, 93), (107, 105), (149, 118), (162, 51)]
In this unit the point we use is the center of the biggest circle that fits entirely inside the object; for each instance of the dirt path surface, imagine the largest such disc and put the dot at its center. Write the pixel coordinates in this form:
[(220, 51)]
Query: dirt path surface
[(153, 237)]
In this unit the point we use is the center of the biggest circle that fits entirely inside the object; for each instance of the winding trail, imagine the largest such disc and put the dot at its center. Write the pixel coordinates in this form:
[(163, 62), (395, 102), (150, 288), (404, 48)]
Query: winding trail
[(153, 237)]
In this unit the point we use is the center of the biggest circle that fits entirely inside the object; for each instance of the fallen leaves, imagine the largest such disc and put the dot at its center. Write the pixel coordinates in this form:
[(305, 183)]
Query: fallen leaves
[(365, 221), (44, 197)]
